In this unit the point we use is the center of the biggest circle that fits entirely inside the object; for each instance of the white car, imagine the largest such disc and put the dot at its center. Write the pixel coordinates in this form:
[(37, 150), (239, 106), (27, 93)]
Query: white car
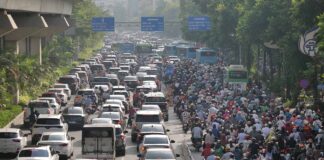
[(48, 123), (59, 141), (12, 140), (62, 95), (66, 88), (116, 101), (53, 103), (38, 153), (101, 120), (151, 84), (155, 141)]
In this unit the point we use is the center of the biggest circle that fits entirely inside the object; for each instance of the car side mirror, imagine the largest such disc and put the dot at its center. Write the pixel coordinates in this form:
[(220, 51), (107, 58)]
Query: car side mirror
[(57, 152), (72, 138), (172, 141), (168, 130), (139, 155), (177, 155), (26, 135), (125, 132)]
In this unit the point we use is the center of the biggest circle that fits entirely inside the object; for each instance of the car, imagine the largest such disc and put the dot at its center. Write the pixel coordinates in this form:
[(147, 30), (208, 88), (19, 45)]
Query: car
[(98, 70), (153, 107), (72, 81), (158, 98), (155, 141), (114, 70), (61, 142), (12, 140), (151, 129), (122, 74), (123, 99), (116, 101), (66, 88), (122, 92), (53, 103), (53, 94), (144, 117), (75, 116), (41, 106), (112, 108), (48, 123), (152, 85), (140, 75), (82, 93), (100, 81), (158, 154), (115, 88), (101, 120), (61, 94), (113, 79), (131, 82), (37, 153), (116, 117)]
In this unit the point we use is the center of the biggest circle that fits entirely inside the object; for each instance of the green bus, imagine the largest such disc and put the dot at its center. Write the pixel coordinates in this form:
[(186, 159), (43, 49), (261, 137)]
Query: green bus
[(143, 48), (237, 76)]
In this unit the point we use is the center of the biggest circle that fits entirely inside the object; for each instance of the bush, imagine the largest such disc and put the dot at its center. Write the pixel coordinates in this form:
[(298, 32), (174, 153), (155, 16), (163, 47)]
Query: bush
[(9, 113)]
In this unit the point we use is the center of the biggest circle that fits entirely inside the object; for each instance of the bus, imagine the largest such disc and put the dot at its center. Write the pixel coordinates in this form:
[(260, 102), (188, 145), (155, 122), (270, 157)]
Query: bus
[(206, 56), (143, 48), (170, 49), (123, 47), (186, 51), (98, 141), (236, 75)]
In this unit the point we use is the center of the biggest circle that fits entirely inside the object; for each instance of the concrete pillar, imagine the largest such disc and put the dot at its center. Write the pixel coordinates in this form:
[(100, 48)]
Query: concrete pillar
[(7, 24), (36, 47), (12, 45)]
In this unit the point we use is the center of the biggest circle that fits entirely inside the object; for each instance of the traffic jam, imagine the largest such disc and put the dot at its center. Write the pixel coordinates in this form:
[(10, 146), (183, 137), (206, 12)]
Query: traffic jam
[(128, 91)]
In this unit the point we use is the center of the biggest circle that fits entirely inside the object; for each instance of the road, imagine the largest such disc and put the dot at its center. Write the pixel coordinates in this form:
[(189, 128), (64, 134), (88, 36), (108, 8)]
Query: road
[(176, 133)]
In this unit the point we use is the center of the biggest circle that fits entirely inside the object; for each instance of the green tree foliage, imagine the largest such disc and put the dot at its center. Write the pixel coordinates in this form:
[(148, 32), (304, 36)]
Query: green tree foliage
[(241, 27)]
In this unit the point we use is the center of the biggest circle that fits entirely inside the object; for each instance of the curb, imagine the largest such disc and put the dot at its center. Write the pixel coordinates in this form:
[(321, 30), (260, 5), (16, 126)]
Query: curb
[(17, 121)]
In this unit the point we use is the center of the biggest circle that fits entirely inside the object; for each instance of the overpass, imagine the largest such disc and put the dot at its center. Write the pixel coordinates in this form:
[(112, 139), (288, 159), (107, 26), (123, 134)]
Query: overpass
[(25, 25)]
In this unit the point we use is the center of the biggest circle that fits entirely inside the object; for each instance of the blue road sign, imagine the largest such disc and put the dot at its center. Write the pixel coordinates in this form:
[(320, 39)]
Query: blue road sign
[(150, 24), (103, 24), (201, 23)]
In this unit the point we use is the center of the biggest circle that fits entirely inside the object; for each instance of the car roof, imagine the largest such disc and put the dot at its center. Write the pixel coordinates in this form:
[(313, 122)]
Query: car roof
[(49, 116), (154, 94), (120, 86), (99, 125), (35, 147), (156, 135), (112, 105), (147, 112), (150, 105), (54, 133), (152, 125), (9, 130)]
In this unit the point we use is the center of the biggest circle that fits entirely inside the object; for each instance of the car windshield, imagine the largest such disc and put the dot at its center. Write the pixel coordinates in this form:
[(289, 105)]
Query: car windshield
[(48, 121), (34, 153), (112, 115), (155, 99), (147, 118), (81, 92), (72, 111), (156, 140), (153, 128), (55, 137), (103, 79), (97, 132), (59, 86), (159, 155), (66, 80), (49, 100), (8, 135)]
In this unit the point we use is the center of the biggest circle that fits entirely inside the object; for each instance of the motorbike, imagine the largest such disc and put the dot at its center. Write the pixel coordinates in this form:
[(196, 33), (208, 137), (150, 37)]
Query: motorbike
[(197, 143), (185, 127)]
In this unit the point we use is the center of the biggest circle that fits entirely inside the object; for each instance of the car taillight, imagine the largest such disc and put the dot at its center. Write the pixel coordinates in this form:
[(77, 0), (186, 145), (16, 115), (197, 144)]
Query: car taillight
[(63, 144), (16, 140)]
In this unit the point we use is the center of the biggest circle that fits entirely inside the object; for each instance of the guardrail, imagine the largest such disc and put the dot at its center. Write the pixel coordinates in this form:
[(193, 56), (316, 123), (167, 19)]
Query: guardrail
[(186, 153)]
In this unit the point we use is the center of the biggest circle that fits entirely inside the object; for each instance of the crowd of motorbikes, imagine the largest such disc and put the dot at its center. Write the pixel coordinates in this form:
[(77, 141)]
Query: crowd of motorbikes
[(206, 105)]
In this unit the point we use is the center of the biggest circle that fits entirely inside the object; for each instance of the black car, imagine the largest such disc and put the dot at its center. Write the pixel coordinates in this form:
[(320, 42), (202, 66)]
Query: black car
[(75, 117)]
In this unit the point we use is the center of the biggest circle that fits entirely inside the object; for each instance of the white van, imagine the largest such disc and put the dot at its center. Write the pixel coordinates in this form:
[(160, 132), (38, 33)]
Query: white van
[(98, 141)]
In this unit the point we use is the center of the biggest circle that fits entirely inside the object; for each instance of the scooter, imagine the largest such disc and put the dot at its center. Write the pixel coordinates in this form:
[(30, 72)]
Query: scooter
[(197, 143), (185, 127)]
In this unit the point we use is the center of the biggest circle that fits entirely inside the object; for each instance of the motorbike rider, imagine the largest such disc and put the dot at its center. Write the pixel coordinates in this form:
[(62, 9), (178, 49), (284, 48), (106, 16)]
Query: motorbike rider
[(185, 116), (197, 133)]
